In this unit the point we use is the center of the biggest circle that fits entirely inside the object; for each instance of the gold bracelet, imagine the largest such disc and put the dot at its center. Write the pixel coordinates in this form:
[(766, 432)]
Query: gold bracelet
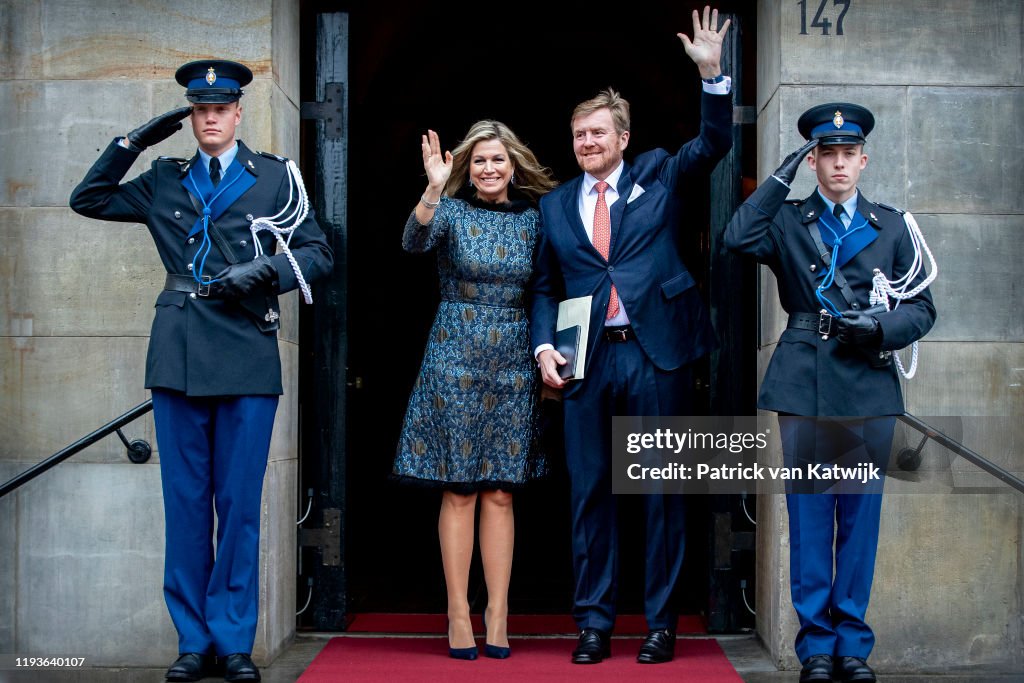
[(430, 205)]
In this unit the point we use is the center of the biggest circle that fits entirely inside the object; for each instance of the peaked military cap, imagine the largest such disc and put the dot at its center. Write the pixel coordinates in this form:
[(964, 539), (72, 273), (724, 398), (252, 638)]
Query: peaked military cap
[(213, 81), (836, 123)]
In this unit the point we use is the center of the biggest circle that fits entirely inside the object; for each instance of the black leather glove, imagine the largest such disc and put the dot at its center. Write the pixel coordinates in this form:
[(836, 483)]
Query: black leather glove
[(243, 279), (158, 129), (858, 328), (787, 171)]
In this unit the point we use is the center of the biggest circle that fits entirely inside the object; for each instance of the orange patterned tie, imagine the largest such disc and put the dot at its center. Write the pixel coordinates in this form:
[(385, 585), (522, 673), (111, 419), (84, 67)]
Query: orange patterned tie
[(603, 239)]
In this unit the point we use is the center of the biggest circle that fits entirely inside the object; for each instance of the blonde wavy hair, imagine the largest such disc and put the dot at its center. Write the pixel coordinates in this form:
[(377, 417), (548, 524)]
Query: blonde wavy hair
[(531, 178)]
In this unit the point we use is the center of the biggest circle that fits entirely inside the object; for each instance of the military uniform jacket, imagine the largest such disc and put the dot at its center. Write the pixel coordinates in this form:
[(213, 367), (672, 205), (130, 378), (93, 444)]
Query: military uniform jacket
[(203, 346), (809, 375)]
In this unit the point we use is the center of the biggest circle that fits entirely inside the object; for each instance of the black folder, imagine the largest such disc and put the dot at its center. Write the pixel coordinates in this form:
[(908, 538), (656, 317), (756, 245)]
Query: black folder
[(567, 343)]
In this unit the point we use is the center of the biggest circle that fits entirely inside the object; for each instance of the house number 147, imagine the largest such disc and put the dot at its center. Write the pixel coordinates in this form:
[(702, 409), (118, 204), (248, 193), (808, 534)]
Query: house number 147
[(824, 23)]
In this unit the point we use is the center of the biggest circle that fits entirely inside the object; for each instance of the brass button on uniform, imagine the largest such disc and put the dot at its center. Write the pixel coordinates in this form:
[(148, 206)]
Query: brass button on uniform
[(813, 267), (192, 295), (188, 267), (191, 240), (177, 214), (243, 243)]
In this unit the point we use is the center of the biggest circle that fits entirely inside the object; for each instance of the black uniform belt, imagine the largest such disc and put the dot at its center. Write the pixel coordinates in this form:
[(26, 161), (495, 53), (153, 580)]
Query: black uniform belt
[(186, 283), (815, 322), (619, 334)]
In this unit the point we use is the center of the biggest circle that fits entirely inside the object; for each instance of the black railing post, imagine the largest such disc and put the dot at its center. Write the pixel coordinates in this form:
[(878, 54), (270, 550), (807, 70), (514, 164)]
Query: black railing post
[(86, 441), (963, 451)]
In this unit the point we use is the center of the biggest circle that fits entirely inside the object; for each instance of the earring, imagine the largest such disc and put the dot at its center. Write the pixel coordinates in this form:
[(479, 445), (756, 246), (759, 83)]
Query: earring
[(471, 182), (512, 180)]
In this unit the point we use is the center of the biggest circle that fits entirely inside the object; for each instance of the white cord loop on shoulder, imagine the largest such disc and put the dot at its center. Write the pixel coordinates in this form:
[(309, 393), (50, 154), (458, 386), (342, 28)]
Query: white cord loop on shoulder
[(884, 289), (284, 223)]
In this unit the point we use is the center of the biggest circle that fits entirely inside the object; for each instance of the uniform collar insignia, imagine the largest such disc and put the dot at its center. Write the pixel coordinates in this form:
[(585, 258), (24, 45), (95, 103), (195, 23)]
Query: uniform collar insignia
[(246, 159)]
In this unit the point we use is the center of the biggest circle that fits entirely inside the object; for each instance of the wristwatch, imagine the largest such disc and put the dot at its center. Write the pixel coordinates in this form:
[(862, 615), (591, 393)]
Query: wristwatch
[(717, 79)]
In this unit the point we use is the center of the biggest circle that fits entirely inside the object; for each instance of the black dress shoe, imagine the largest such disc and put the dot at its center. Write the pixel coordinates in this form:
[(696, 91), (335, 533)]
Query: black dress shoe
[(817, 669), (592, 647), (853, 669), (239, 667), (658, 648), (190, 666)]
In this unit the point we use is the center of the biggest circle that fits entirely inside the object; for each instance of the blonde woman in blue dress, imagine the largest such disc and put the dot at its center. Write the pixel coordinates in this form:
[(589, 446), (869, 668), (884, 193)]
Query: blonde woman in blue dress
[(470, 426)]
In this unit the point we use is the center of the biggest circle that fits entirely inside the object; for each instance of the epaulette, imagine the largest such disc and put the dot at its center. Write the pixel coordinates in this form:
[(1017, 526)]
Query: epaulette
[(271, 155), (890, 208), (174, 159)]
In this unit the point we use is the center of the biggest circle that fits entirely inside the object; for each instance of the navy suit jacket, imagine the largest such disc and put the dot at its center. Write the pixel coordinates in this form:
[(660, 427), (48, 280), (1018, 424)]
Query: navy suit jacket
[(645, 256)]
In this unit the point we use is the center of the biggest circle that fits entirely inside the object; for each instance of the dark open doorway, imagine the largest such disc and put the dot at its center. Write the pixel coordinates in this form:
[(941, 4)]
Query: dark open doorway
[(414, 65)]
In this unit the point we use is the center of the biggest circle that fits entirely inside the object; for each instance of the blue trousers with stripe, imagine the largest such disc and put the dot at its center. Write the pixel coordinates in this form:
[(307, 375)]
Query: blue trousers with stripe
[(831, 605), (213, 455)]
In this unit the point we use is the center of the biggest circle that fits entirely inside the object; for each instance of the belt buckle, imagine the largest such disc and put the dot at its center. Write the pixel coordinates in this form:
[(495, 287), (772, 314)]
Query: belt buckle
[(204, 286), (824, 324), (618, 335)]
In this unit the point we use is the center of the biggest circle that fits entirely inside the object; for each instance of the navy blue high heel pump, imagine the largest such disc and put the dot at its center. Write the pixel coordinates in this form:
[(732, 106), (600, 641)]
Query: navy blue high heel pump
[(494, 651), (465, 653)]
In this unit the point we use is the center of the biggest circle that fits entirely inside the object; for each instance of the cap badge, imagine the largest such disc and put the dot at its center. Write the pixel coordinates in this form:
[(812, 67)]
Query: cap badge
[(211, 77), (837, 120)]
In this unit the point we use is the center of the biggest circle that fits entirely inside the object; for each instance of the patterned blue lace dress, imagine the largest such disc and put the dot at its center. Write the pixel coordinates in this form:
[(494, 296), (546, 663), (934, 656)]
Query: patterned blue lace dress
[(472, 418)]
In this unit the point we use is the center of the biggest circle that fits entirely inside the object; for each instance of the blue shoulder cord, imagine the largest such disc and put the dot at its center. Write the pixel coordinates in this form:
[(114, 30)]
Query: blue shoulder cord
[(831, 274), (197, 271)]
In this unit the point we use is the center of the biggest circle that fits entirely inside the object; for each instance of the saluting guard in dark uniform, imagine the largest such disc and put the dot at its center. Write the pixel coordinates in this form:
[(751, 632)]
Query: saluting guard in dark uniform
[(233, 231), (834, 359)]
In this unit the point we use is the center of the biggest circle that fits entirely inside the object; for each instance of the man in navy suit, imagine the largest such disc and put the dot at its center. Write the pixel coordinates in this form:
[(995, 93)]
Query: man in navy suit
[(213, 364), (615, 233)]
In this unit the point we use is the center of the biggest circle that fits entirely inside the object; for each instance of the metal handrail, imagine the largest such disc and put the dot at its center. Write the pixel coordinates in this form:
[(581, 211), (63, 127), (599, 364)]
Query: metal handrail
[(913, 458), (138, 450)]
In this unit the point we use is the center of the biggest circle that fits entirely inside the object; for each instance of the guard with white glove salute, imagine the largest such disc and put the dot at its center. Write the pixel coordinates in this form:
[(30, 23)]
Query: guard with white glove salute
[(835, 359), (213, 364)]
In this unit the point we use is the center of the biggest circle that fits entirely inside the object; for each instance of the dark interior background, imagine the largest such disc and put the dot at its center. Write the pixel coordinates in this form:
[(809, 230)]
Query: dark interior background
[(414, 65)]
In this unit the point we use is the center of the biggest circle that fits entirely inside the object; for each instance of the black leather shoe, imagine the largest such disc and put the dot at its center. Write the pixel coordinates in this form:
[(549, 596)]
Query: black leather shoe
[(592, 647), (853, 669), (190, 666), (658, 648), (239, 667), (817, 669)]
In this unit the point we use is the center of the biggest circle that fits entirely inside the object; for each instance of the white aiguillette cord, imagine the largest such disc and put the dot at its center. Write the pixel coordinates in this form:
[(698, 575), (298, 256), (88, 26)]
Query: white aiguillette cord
[(885, 289), (284, 223)]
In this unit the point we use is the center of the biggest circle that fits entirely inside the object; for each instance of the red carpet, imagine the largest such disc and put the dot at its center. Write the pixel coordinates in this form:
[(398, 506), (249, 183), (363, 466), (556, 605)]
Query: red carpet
[(412, 660), (518, 624)]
